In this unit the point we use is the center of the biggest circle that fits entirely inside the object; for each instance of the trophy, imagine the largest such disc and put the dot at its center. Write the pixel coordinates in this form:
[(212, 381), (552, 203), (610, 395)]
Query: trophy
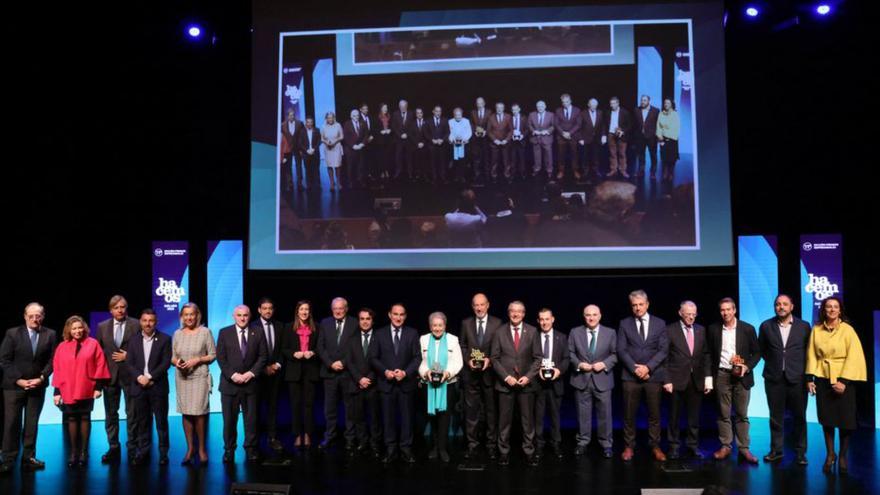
[(478, 358), (547, 366), (436, 374), (517, 136), (480, 132), (737, 361)]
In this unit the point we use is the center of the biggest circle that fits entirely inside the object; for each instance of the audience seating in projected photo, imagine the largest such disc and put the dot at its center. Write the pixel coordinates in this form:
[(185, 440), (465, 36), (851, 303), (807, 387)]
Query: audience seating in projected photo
[(372, 154)]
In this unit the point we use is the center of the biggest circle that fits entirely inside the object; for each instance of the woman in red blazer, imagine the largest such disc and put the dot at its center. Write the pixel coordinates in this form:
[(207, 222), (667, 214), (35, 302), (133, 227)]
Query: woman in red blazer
[(80, 368)]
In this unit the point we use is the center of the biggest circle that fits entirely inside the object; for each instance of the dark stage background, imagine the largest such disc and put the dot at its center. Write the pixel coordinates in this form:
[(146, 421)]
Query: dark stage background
[(124, 132)]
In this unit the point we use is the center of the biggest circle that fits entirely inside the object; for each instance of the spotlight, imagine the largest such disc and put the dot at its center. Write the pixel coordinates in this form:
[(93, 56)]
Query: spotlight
[(194, 31), (823, 9), (752, 12)]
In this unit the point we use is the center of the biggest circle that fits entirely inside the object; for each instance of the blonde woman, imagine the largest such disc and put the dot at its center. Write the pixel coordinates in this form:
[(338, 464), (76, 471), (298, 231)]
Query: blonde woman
[(331, 136)]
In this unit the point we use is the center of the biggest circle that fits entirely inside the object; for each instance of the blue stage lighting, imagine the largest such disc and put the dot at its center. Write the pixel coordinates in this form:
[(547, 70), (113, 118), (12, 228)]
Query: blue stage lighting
[(823, 9), (194, 31), (752, 12)]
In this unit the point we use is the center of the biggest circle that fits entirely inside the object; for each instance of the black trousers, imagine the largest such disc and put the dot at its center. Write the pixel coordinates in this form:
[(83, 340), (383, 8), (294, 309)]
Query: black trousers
[(479, 151), (480, 407), (112, 396), (518, 166), (152, 406), (302, 403), (546, 401), (689, 399), (567, 156), (632, 395), (398, 403), (312, 164), (525, 400), (402, 160), (783, 395), (649, 144), (232, 404), (440, 421), (354, 162), (439, 161), (500, 155), (270, 389), (20, 405), (334, 391), (591, 156), (365, 403)]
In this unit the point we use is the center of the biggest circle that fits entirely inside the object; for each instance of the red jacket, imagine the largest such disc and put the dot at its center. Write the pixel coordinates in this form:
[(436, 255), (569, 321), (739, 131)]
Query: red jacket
[(75, 375)]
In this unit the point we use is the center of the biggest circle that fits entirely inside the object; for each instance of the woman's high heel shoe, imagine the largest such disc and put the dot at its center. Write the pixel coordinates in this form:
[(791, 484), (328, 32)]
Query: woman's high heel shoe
[(72, 461), (829, 463), (842, 466), (83, 459), (187, 461)]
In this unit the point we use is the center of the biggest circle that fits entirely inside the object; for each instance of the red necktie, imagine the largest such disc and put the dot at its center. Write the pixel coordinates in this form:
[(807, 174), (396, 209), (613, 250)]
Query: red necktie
[(516, 339)]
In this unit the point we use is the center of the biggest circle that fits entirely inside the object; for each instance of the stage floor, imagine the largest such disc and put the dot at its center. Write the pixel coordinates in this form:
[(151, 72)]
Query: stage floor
[(333, 472)]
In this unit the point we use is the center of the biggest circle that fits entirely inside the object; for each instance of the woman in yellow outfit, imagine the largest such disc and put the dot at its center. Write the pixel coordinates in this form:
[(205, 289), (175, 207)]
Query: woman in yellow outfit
[(835, 359)]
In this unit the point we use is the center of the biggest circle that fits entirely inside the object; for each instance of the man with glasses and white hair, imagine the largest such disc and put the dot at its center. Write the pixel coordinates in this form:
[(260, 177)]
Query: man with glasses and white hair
[(26, 358)]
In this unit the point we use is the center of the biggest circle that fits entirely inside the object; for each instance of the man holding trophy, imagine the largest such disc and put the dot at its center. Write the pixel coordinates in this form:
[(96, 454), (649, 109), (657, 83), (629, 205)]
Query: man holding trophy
[(735, 353), (554, 364)]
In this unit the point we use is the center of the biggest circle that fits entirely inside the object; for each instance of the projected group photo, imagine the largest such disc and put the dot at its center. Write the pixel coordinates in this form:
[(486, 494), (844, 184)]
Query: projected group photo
[(513, 137)]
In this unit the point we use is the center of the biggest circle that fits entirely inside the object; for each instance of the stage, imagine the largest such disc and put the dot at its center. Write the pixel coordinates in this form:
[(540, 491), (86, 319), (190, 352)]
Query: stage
[(334, 472)]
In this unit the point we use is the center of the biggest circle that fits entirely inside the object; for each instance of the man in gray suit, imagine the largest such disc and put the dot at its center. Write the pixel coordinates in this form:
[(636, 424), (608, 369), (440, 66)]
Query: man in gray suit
[(541, 127), (593, 353), (516, 359), (114, 334)]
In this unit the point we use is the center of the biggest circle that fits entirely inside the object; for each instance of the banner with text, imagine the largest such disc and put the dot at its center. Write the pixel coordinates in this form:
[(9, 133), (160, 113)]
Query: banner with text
[(821, 271), (170, 286)]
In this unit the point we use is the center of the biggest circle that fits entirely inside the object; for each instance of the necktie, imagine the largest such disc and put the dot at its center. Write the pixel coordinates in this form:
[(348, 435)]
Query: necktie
[(499, 118), (420, 124), (404, 117), (338, 331), (516, 338), (546, 346), (357, 128), (567, 113), (481, 114), (366, 344), (480, 332), (592, 342), (34, 336), (270, 338), (367, 120), (436, 122), (396, 340), (690, 339), (117, 334), (541, 118), (243, 343), (516, 122), (642, 330)]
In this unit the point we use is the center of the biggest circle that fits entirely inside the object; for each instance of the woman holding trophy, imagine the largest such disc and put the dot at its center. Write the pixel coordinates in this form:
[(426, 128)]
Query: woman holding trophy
[(441, 362)]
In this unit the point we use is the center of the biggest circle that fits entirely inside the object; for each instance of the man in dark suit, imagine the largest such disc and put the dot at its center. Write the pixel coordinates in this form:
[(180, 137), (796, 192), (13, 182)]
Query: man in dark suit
[(516, 166), (400, 124), (554, 357), (334, 332), (641, 348), (368, 157), (354, 136), (395, 357), (784, 341), (148, 360), (114, 335), (592, 137), (271, 380), (479, 145), (418, 145), (361, 388), (687, 366), (617, 129), (437, 133), (645, 135), (309, 145), (593, 350), (241, 355), (735, 353), (568, 124), (500, 132), (26, 358), (290, 135), (516, 358), (476, 334)]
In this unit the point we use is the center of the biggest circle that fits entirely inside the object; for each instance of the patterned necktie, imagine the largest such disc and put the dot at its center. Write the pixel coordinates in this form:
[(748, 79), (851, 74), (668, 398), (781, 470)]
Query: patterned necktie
[(516, 338), (546, 346), (243, 343), (690, 339), (480, 332), (117, 334), (592, 342)]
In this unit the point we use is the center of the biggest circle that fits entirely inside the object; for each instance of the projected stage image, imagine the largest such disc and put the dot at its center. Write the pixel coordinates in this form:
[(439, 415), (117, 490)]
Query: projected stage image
[(517, 145)]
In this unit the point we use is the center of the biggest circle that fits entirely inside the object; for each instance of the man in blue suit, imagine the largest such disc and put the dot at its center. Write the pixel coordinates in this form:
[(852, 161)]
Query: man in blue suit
[(148, 359), (395, 357), (642, 345), (593, 353), (554, 349)]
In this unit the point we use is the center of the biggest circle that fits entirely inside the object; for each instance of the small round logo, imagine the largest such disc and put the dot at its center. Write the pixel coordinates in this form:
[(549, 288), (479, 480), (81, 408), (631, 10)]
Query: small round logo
[(158, 252), (808, 246)]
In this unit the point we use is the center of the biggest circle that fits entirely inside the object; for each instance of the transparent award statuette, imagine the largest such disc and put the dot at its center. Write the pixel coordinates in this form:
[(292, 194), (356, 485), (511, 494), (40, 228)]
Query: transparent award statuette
[(436, 374), (547, 366)]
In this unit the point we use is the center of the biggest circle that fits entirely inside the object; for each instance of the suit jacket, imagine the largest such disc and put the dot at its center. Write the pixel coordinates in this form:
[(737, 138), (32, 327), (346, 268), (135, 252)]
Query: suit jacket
[(746, 346), (572, 124), (509, 361), (160, 361), (289, 141), (547, 125), (399, 125), (118, 371), (357, 365), (560, 357), (468, 340), (408, 358), (370, 129), (230, 360), (300, 369), (20, 362), (579, 352), (501, 131), (590, 132), (350, 137), (303, 142), (681, 365), (794, 351), (624, 122), (328, 350), (437, 132), (276, 355), (632, 349), (414, 135), (647, 128), (477, 121), (523, 126)]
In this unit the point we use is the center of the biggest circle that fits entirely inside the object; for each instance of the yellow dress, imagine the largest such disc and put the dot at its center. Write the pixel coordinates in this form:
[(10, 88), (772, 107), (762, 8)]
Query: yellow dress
[(836, 353)]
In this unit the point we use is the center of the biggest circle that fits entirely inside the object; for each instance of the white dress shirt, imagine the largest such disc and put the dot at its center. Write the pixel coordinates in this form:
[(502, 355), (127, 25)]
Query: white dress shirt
[(728, 345)]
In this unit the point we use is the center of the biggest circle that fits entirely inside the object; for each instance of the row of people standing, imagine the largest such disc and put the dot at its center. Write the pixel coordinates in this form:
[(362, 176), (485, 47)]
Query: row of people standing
[(424, 144)]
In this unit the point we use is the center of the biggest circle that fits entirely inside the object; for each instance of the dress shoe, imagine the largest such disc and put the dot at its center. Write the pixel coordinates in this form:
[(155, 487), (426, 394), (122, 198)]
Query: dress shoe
[(745, 455), (432, 454), (607, 453), (492, 454), (695, 454), (407, 457), (33, 464), (444, 456), (829, 463), (163, 460), (773, 457), (802, 460), (627, 454), (111, 455), (722, 453), (533, 460), (228, 458), (557, 451), (658, 454), (503, 460), (325, 444), (470, 454), (253, 456), (389, 458), (275, 445), (673, 454), (580, 450)]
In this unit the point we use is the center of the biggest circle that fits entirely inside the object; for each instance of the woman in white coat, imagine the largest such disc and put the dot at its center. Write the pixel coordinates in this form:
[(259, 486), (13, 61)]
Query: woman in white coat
[(441, 362)]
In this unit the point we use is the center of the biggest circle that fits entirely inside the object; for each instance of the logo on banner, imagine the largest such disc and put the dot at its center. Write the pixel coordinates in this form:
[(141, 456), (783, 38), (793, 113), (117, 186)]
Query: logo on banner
[(820, 287), (158, 252), (808, 246), (170, 291)]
